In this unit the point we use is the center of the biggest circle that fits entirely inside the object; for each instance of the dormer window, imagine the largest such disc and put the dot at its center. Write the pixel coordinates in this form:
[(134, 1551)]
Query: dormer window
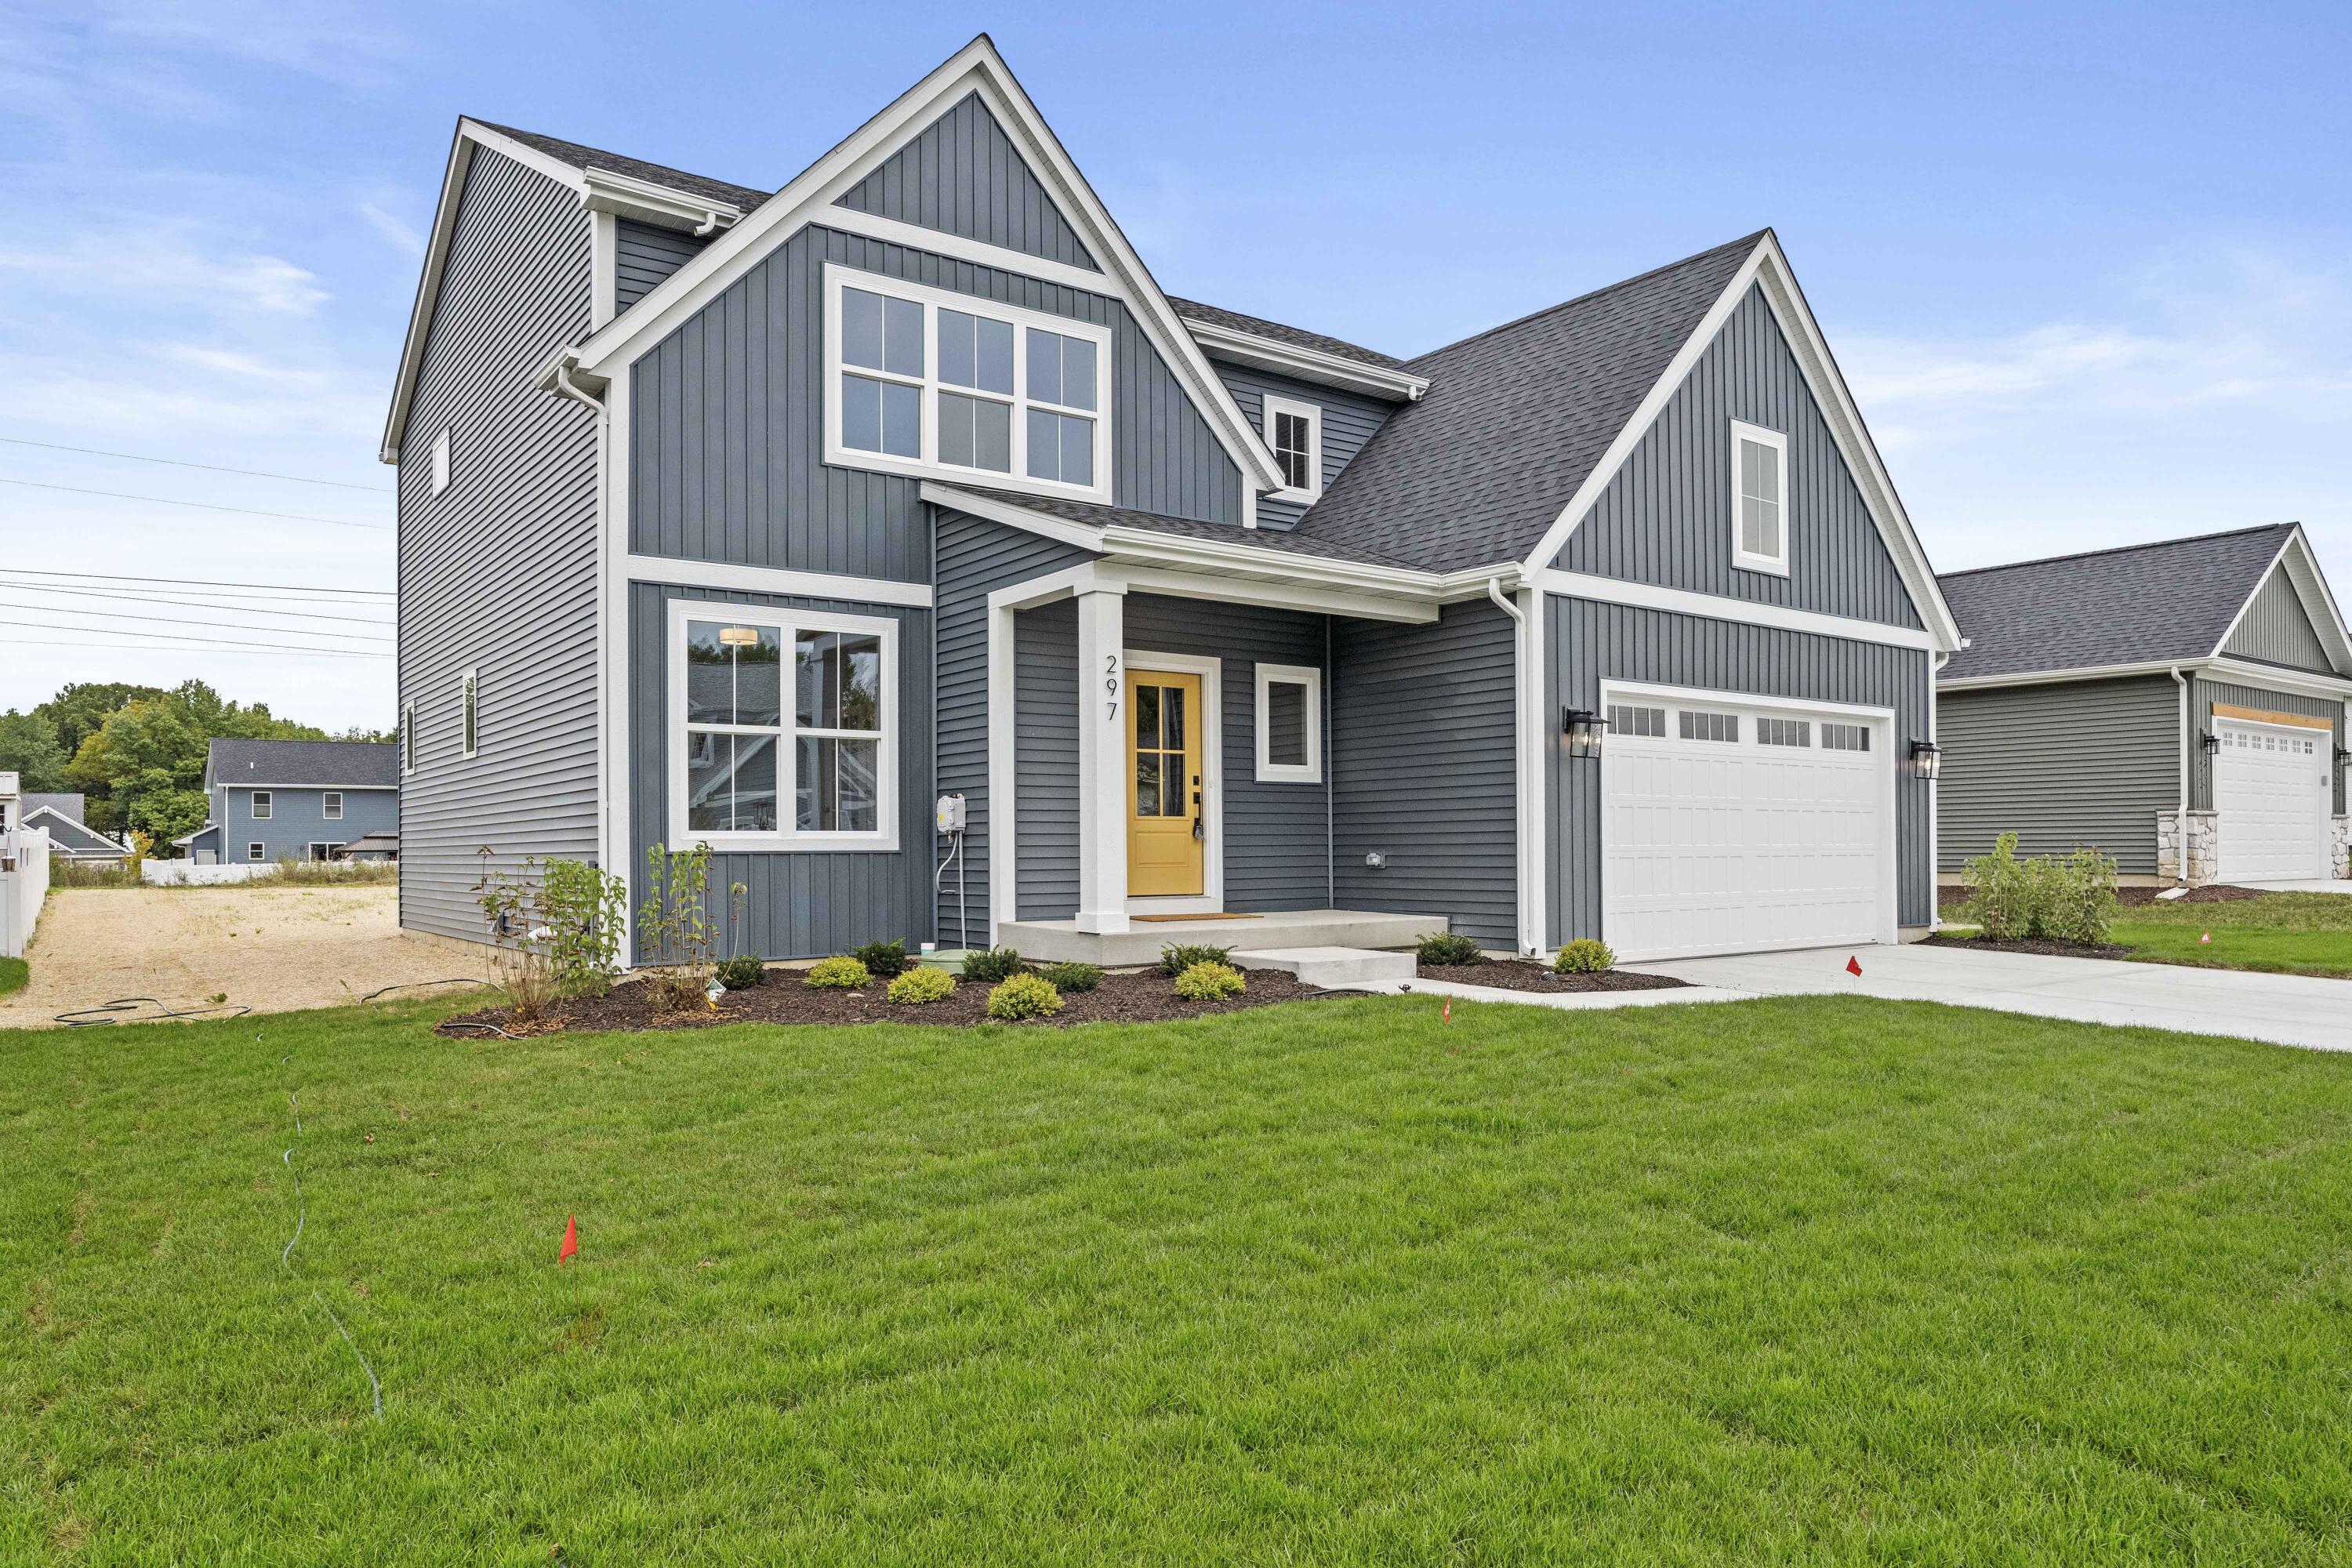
[(1295, 430), (1759, 498)]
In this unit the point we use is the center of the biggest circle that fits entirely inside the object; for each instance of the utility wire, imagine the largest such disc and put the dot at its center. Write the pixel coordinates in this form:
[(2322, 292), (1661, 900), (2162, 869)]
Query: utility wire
[(192, 582), (199, 505), (242, 653), (212, 602), (208, 468), (181, 636), (149, 618)]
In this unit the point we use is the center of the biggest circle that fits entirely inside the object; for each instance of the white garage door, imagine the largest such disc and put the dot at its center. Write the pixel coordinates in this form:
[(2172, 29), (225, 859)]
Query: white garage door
[(2271, 794), (1731, 829)]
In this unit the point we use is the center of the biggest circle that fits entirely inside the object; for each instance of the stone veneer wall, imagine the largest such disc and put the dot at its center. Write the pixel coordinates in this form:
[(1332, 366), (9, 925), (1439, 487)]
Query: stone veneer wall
[(2204, 845)]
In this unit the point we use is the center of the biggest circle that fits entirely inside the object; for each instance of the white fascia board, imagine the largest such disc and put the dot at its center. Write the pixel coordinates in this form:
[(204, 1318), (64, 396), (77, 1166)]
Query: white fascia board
[(1305, 363), (1767, 266), (2245, 672), (626, 195), (685, 574), (1012, 516), (2237, 672), (1717, 606), (1226, 588), (809, 197)]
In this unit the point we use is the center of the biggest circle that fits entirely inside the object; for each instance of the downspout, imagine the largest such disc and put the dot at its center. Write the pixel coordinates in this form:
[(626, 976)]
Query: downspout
[(2181, 840), (1935, 662), (574, 391), (1523, 799), (709, 225)]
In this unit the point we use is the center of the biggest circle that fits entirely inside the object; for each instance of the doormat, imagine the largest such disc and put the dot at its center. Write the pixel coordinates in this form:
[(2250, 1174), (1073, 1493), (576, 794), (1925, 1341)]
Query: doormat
[(1162, 919)]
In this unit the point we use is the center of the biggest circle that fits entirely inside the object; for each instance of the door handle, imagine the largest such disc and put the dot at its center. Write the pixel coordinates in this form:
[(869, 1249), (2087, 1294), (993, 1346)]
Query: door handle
[(1196, 825)]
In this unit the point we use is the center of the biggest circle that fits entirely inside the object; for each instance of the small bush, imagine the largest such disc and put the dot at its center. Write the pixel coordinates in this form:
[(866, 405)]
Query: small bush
[(1070, 979), (2007, 891), (839, 974), (1449, 948), (916, 987), (1209, 981), (1584, 956), (2073, 900), (1176, 958), (1024, 996), (884, 959), (994, 964), (2081, 897), (741, 973)]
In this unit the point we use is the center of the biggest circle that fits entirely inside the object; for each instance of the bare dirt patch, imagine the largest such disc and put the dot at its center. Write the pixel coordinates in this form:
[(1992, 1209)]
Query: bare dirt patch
[(270, 949)]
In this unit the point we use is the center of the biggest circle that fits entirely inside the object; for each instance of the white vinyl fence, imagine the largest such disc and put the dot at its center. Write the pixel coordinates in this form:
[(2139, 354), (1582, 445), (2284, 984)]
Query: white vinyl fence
[(195, 874), (24, 883)]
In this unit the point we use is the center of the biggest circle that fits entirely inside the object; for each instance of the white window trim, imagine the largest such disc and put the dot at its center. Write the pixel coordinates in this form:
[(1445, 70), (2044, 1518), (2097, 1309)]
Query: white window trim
[(262, 805), (1313, 413), (1268, 770), (331, 805), (1741, 556), (256, 851), (469, 713), (786, 622), (928, 465), (310, 850), (441, 462), (408, 737)]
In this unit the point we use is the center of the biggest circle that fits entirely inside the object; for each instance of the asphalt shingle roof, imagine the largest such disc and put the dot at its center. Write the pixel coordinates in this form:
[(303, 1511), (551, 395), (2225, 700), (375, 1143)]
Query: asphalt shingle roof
[(582, 157), (69, 805), (1275, 541), (2136, 604), (1515, 420), (231, 759), (1218, 316)]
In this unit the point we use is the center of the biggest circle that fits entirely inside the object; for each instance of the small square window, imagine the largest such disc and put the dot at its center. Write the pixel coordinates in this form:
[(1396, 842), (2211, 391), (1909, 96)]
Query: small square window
[(441, 462), (262, 805), (257, 850), (331, 805), (1289, 724), (1759, 498), (1295, 430)]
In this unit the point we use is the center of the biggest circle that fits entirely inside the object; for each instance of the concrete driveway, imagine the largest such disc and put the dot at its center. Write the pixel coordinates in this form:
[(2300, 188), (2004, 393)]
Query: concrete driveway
[(2285, 1009), (2309, 886)]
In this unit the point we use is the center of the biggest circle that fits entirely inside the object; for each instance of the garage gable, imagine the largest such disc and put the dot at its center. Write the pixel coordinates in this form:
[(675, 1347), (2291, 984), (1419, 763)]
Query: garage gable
[(2276, 628)]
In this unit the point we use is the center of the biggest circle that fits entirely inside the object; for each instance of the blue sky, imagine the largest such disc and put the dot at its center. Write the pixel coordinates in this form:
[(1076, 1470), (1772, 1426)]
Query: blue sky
[(2089, 270)]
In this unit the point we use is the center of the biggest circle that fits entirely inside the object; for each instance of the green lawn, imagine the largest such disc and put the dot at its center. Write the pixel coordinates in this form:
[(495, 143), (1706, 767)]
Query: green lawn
[(14, 973), (1823, 1280), (2309, 933)]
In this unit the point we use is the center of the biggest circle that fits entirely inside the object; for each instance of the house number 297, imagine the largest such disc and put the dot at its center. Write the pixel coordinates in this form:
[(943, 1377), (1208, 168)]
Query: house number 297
[(1110, 685)]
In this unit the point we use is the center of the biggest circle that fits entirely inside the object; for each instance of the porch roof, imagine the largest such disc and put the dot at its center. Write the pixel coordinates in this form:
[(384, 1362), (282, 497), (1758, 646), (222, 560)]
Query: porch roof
[(1089, 515)]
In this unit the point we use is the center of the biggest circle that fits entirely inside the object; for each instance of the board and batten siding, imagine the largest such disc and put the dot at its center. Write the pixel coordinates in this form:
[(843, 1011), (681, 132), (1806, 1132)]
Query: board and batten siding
[(801, 903), (1423, 758), (2060, 763), (2204, 693), (1045, 762), (644, 254), (2275, 630), (498, 573), (976, 557), (1591, 642), (1349, 421), (727, 445), (962, 175), (1666, 517)]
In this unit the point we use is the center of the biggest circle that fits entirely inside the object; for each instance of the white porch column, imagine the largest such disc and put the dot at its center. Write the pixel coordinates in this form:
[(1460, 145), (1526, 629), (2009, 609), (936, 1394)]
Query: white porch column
[(1102, 759)]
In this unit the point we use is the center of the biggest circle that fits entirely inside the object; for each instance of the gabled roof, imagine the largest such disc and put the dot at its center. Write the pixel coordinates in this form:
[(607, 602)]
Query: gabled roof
[(69, 834), (71, 805), (1089, 515), (301, 764), (584, 158)]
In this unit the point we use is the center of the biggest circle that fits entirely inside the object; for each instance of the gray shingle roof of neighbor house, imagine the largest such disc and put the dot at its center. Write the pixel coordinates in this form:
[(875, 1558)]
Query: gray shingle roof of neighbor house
[(70, 806), (2141, 604), (298, 765), (1089, 514), (583, 157), (1515, 420), (378, 842)]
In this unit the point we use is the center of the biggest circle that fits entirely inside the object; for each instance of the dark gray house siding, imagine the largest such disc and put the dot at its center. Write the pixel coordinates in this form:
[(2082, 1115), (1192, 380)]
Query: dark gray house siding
[(1666, 516), (298, 820), (802, 904), (643, 255), (1592, 642), (727, 427), (1423, 759), (497, 573), (1349, 421), (2276, 631), (962, 175), (975, 558), (1045, 762), (2205, 692), (2062, 763)]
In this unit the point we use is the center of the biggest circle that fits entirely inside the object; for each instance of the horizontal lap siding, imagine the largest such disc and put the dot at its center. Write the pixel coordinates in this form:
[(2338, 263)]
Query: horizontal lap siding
[(644, 255), (2206, 693), (1349, 421), (298, 820), (800, 904), (1666, 518), (499, 572), (1591, 642), (2068, 763), (2275, 630), (962, 175), (1046, 779), (1423, 754)]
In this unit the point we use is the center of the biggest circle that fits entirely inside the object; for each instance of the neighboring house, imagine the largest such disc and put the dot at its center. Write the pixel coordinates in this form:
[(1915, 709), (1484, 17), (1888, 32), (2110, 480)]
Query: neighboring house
[(294, 800), (2123, 699), (60, 816), (1195, 611)]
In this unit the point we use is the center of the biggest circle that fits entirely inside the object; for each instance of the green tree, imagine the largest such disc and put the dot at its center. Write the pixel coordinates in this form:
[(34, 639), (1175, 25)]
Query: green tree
[(28, 746), (80, 707), (143, 766)]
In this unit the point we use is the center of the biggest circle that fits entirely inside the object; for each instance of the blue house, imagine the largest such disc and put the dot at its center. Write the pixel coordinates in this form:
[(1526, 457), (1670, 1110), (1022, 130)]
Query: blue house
[(893, 533), (296, 800)]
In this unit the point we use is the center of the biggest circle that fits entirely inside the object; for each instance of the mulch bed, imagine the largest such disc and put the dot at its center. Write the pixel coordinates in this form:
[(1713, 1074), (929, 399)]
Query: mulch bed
[(2131, 898), (1140, 998), (2043, 945), (1505, 974)]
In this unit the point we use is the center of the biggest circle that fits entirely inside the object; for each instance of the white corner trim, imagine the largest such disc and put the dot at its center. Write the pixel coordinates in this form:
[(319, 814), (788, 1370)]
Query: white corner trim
[(1305, 363), (1720, 607), (1298, 408), (603, 268), (1310, 771), (1532, 690), (1777, 441), (775, 580)]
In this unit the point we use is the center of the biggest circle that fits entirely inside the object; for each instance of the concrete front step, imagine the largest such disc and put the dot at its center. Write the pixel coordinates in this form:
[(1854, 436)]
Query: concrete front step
[(1054, 941), (1330, 966)]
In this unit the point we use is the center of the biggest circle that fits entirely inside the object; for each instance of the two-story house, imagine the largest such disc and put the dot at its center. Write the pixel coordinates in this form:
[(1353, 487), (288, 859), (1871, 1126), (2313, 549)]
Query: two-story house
[(764, 517), (294, 800)]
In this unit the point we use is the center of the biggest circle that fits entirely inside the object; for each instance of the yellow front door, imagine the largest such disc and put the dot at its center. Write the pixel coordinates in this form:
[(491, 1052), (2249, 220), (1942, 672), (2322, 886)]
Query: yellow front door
[(1165, 834)]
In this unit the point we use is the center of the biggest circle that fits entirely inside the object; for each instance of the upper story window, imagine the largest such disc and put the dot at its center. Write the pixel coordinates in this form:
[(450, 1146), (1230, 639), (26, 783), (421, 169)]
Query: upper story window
[(925, 381), (1759, 498), (441, 462), (331, 805), (261, 804), (468, 693), (1295, 431)]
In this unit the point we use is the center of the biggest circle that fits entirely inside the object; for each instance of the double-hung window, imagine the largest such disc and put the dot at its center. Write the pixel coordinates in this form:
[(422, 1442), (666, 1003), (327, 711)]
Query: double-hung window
[(262, 803), (331, 805), (1759, 498), (925, 381), (784, 730), (1295, 430)]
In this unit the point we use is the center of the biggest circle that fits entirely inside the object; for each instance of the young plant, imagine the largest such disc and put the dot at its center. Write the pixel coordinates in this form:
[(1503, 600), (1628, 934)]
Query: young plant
[(838, 974), (741, 972), (1585, 955), (674, 927), (1209, 981), (1024, 996), (1449, 948), (919, 987), (994, 964), (1070, 979), (581, 907), (2082, 904), (1178, 957), (885, 958)]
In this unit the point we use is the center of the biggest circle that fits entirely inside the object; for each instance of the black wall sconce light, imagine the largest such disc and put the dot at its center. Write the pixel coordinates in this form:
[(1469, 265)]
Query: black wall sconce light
[(2212, 742), (1584, 730), (1926, 760)]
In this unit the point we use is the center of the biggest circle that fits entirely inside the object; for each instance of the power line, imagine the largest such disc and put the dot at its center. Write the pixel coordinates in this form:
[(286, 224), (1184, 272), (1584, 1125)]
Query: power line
[(241, 653), (192, 582), (183, 637), (208, 468), (210, 602), (150, 619), (199, 505)]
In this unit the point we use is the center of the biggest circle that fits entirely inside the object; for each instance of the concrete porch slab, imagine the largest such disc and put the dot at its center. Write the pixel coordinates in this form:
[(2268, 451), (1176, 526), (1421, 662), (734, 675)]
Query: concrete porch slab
[(1056, 941), (1329, 967)]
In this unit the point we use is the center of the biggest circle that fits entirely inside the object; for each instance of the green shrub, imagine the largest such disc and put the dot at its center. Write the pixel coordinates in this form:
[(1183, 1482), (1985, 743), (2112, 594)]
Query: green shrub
[(991, 965), (882, 958), (2081, 897), (839, 974), (1176, 958), (1585, 955), (1449, 948), (741, 973), (1209, 981), (1070, 979), (917, 986), (2073, 900), (1024, 996), (2007, 892)]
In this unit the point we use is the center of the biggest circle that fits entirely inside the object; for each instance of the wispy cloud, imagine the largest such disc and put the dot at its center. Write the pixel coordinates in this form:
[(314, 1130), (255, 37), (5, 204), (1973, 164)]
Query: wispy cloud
[(402, 236), (156, 261)]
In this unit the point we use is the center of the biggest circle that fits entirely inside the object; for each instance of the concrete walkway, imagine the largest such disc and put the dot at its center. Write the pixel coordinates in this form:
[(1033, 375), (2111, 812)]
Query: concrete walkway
[(2284, 1009), (2309, 885)]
